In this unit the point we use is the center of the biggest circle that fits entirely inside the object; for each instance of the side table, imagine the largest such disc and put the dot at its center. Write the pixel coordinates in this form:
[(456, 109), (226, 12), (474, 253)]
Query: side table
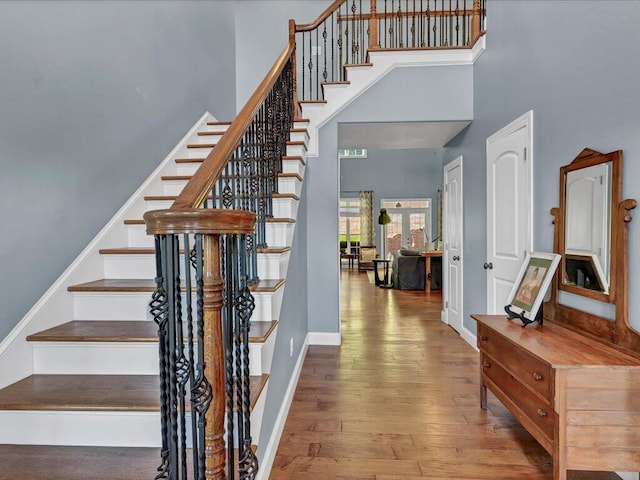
[(382, 282)]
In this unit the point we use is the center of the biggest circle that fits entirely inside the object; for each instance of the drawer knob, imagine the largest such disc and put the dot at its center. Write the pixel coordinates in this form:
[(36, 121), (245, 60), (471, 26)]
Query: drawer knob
[(487, 365), (542, 413), (537, 377), (483, 338)]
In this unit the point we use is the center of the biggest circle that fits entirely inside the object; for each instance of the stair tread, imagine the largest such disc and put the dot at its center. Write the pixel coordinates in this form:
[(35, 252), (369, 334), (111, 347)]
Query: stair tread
[(52, 462), (189, 177), (134, 222), (302, 120), (280, 220), (337, 82), (369, 64), (151, 251), (95, 393), (125, 331), (209, 134), (148, 285), (99, 331), (164, 198), (218, 123), (201, 145), (312, 101), (83, 393), (295, 157), (45, 462)]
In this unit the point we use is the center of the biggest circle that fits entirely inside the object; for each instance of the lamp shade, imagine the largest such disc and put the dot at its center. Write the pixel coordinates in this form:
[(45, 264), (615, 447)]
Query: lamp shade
[(384, 218)]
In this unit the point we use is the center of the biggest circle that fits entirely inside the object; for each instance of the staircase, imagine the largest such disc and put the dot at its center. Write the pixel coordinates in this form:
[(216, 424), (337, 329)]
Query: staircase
[(95, 372)]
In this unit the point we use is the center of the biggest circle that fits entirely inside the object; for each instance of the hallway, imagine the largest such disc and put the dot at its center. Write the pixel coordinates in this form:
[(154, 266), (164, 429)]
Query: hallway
[(399, 400)]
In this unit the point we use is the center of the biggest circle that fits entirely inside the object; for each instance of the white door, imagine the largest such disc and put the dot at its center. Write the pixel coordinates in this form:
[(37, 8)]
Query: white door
[(410, 223), (452, 255), (509, 208)]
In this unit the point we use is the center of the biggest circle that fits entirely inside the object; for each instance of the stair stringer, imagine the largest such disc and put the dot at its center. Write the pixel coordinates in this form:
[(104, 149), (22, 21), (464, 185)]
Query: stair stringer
[(56, 305), (361, 78)]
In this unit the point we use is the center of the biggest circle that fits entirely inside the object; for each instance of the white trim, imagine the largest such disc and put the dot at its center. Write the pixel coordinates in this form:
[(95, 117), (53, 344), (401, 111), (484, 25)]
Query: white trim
[(363, 78), (274, 441), (469, 337), (525, 122), (324, 338)]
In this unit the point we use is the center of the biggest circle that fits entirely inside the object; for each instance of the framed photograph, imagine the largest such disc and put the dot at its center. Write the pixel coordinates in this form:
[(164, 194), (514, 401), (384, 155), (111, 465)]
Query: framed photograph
[(583, 270), (531, 285)]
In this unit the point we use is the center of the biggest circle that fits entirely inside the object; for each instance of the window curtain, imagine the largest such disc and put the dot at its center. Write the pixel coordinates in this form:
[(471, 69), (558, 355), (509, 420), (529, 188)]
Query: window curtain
[(367, 233)]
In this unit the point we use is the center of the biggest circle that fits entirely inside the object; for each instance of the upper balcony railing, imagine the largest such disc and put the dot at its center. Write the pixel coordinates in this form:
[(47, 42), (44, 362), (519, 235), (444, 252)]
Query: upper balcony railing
[(347, 31), (207, 242)]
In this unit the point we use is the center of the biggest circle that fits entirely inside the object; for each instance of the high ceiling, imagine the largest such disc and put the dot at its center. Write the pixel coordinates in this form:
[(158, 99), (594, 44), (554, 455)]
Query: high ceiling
[(398, 135)]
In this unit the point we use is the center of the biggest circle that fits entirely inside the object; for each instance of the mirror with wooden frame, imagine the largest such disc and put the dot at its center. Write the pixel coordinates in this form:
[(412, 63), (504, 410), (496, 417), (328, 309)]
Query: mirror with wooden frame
[(590, 191), (591, 235)]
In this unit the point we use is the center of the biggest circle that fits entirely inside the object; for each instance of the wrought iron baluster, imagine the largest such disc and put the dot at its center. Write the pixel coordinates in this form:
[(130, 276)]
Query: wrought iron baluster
[(333, 47), (317, 67), (310, 69), (385, 24), (325, 74), (340, 42), (303, 66), (399, 24), (413, 25)]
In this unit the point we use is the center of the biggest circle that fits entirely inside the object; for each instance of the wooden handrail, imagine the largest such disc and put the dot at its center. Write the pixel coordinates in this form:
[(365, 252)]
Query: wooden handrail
[(305, 27), (199, 187)]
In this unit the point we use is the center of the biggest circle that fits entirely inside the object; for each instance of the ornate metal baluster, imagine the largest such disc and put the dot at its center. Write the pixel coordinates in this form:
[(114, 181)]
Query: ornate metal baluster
[(317, 66), (385, 24), (303, 66), (158, 308), (333, 47), (399, 24), (413, 25), (324, 51), (354, 34), (428, 23), (310, 69), (340, 41)]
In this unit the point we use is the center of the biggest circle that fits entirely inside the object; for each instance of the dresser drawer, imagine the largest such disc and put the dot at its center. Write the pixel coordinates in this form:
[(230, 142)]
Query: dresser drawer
[(529, 370), (536, 410)]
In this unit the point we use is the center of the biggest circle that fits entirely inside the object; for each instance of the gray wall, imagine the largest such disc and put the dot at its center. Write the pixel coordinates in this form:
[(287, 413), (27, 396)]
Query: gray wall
[(581, 80), (265, 24), (94, 95), (405, 94), (293, 324), (397, 173)]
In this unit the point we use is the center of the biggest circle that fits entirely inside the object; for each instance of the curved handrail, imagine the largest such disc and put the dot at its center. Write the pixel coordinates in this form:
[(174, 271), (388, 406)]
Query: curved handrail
[(197, 189), (305, 27)]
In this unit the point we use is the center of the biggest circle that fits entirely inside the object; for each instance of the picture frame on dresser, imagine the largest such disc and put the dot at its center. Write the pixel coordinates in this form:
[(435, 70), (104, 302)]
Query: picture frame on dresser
[(531, 286)]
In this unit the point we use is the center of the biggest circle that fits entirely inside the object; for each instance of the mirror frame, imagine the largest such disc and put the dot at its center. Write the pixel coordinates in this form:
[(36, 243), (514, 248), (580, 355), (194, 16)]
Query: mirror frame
[(589, 158), (618, 332)]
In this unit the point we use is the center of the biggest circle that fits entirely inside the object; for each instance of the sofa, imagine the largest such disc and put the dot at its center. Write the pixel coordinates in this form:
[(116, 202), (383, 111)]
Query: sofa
[(408, 270)]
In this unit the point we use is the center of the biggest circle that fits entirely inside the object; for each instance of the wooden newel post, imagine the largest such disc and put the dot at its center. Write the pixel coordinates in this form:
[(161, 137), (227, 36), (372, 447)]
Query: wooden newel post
[(215, 448), (476, 21), (374, 40), (294, 68)]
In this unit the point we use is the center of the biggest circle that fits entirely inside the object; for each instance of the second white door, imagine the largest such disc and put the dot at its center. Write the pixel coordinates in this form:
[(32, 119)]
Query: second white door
[(509, 208), (452, 259)]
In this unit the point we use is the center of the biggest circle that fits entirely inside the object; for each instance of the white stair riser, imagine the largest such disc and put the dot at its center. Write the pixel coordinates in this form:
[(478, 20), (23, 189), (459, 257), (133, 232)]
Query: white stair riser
[(158, 204), (300, 124), (279, 234), (299, 137), (257, 413), (290, 185), (332, 90), (135, 306), (109, 429), (216, 128), (198, 152), (144, 266), (273, 266), (187, 168), (129, 266), (98, 358), (260, 355), (208, 138), (137, 236), (293, 166), (267, 305), (173, 187), (285, 207), (298, 150)]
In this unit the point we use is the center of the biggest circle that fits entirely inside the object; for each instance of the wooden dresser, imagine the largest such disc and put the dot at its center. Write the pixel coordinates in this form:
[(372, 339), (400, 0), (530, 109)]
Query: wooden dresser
[(579, 398)]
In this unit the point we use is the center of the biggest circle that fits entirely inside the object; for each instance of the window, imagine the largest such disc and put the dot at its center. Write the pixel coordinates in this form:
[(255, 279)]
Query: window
[(410, 225), (349, 225), (352, 153)]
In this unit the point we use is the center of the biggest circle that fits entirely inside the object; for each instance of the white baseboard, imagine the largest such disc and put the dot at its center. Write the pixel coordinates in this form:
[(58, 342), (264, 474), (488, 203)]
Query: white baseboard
[(272, 447), (324, 338), (469, 337)]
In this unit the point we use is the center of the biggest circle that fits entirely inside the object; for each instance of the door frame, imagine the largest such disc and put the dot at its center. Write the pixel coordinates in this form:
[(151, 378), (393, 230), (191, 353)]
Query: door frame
[(445, 241), (525, 121)]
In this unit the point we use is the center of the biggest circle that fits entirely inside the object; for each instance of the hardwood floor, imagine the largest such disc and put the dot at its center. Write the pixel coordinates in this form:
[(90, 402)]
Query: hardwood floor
[(399, 400)]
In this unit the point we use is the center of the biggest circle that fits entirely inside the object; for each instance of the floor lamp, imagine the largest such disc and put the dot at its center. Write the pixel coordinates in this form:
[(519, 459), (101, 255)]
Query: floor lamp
[(384, 219)]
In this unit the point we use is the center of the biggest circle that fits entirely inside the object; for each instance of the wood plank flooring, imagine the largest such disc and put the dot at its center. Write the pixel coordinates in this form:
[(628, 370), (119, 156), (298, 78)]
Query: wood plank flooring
[(399, 400)]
